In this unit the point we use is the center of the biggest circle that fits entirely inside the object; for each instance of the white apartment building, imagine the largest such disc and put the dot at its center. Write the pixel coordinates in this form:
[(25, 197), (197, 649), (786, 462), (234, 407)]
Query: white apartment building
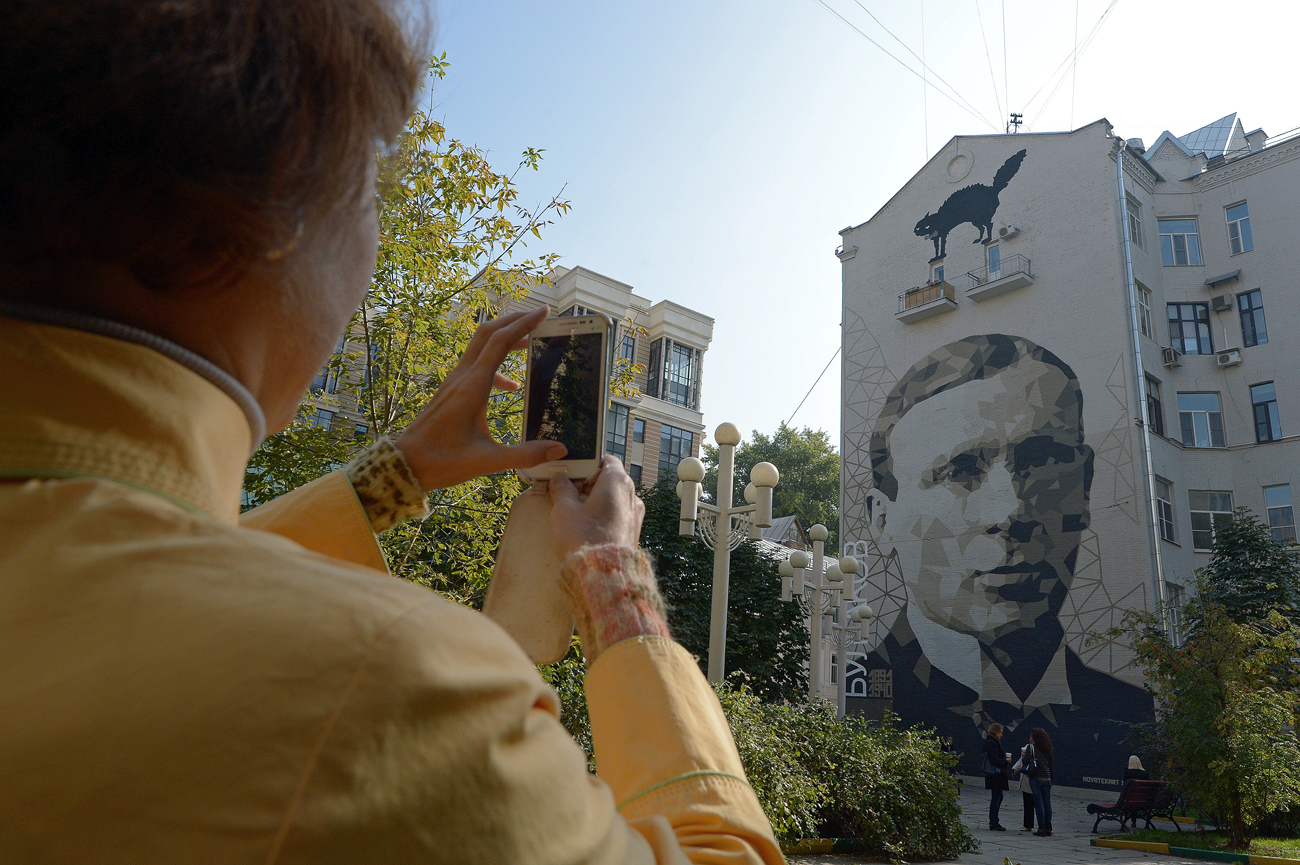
[(651, 433), (1065, 362)]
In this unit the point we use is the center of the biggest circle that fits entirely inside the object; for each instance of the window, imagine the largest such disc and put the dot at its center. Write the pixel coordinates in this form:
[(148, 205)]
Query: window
[(995, 260), (1201, 420), (674, 446), (1211, 511), (1189, 328), (638, 430), (1179, 243), (1280, 516), (634, 472), (324, 417), (1263, 400), (936, 273), (359, 431), (1165, 509), (653, 369), (1144, 311), (1251, 307), (1134, 222), (679, 380), (576, 310), (627, 350), (1239, 239), (616, 431), (1155, 411)]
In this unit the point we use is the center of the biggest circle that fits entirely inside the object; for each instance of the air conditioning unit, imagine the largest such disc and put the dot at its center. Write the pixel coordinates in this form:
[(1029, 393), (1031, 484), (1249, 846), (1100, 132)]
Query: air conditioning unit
[(1221, 302), (1007, 232), (1171, 356), (1230, 357)]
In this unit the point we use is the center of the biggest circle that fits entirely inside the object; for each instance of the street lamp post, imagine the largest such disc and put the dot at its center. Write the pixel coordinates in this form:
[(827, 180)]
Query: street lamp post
[(826, 593), (724, 527)]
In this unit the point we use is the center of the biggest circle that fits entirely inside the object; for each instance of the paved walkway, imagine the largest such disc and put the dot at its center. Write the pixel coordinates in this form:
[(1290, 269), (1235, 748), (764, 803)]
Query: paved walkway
[(1071, 832)]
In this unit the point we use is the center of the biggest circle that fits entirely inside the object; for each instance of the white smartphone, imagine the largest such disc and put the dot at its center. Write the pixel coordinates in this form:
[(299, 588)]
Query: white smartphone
[(566, 392)]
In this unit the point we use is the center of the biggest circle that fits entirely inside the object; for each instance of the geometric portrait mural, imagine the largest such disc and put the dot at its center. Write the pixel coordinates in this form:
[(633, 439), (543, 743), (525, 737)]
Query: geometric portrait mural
[(972, 479)]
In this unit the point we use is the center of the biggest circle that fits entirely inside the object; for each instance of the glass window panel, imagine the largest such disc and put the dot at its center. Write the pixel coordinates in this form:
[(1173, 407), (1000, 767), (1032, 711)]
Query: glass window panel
[(1220, 501), (1201, 428), (1237, 212), (1177, 226), (1247, 242), (1185, 424), (1166, 250), (1199, 502), (995, 259), (1198, 402), (1193, 250), (1279, 496), (1263, 392), (1180, 249)]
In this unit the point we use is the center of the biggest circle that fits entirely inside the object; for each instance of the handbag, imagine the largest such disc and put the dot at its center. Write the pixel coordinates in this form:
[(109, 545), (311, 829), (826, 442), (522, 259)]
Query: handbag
[(988, 768)]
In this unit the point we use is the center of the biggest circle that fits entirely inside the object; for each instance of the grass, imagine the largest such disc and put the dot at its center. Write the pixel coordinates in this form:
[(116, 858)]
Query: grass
[(1287, 848)]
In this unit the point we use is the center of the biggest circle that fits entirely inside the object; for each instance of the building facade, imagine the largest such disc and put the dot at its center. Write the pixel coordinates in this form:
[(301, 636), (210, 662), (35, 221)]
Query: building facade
[(1064, 365), (655, 431)]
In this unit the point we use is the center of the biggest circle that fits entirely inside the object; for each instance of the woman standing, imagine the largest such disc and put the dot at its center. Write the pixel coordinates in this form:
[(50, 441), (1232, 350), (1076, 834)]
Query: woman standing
[(1027, 795), (1038, 762), (995, 773)]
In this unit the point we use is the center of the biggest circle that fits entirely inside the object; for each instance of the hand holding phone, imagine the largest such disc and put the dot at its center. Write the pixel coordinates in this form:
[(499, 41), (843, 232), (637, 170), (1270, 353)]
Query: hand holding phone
[(449, 442)]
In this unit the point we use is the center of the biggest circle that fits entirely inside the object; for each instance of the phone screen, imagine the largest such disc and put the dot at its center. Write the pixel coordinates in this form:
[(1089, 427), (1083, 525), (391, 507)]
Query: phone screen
[(565, 397)]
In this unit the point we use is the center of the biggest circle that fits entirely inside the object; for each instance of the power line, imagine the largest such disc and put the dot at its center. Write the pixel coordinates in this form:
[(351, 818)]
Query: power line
[(814, 385), (974, 114), (1074, 73), (906, 47), (1072, 57), (925, 102), (1006, 87), (992, 79)]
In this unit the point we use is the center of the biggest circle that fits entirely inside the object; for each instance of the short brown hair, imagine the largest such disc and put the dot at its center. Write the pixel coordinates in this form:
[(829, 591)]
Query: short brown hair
[(187, 139), (995, 728)]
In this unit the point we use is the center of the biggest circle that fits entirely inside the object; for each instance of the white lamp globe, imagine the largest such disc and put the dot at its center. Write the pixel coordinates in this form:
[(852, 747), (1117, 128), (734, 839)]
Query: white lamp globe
[(727, 434), (848, 564), (785, 569), (799, 559), (818, 532), (751, 494), (764, 475), (690, 469)]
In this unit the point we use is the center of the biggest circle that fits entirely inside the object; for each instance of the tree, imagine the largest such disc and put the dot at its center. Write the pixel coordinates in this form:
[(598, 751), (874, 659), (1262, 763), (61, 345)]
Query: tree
[(1250, 573), (452, 231), (810, 475), (767, 640)]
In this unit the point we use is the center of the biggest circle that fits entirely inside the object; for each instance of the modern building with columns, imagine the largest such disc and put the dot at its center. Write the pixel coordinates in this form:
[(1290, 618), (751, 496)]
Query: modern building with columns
[(1064, 363)]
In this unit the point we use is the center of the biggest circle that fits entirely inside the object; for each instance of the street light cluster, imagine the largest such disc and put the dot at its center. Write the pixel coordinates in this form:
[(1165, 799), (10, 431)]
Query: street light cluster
[(723, 527)]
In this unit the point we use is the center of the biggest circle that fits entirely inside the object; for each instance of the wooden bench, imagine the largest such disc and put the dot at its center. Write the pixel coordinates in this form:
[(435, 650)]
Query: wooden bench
[(1139, 800)]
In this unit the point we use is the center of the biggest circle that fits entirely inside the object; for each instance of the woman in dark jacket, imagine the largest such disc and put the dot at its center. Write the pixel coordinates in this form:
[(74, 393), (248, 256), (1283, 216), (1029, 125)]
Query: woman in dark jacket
[(1038, 758), (1135, 770), (995, 773)]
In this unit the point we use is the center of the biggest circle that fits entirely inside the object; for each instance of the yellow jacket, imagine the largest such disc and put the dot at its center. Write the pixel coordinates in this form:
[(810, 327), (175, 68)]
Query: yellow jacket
[(181, 685)]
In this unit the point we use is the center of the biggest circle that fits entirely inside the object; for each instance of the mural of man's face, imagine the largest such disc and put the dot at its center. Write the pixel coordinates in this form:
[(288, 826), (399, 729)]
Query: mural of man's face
[(992, 500)]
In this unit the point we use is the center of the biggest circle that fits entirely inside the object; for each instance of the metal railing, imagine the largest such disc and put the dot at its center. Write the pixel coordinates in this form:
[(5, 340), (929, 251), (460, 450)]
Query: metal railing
[(924, 294), (1009, 265)]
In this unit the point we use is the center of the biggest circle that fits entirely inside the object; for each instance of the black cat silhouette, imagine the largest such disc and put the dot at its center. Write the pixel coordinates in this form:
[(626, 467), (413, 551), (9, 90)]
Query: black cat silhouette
[(975, 204)]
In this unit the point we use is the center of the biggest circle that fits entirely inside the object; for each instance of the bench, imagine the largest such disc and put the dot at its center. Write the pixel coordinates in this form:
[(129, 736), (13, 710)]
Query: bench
[(1139, 800)]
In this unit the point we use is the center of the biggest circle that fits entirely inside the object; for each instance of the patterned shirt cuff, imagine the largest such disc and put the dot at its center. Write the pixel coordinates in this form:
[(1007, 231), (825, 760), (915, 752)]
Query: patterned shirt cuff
[(614, 596), (386, 486)]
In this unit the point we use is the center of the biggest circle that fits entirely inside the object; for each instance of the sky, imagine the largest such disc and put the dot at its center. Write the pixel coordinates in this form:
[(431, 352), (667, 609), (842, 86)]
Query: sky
[(713, 149)]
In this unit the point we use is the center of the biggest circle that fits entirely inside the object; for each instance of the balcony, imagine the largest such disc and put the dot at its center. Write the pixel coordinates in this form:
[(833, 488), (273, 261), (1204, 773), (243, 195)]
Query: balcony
[(1012, 273), (925, 301)]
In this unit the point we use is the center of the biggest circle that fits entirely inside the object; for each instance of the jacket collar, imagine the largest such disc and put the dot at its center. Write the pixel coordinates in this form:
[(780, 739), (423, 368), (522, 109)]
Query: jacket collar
[(130, 408)]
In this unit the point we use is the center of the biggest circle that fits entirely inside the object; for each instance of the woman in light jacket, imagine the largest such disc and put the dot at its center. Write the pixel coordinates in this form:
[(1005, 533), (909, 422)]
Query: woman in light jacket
[(188, 221)]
